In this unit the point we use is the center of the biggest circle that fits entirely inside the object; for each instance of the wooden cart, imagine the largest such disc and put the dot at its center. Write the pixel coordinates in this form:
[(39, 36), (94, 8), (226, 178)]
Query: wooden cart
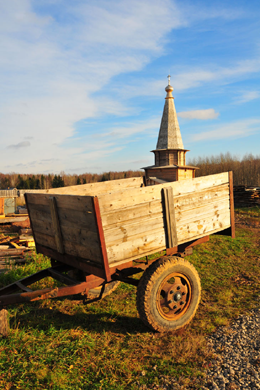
[(99, 234)]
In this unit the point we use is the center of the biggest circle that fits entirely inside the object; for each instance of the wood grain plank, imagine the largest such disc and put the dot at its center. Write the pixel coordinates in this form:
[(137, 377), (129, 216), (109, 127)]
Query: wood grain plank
[(193, 200), (137, 247), (67, 217), (71, 248), (137, 212), (204, 226), (70, 202), (203, 210), (125, 198), (98, 188), (129, 230), (70, 232)]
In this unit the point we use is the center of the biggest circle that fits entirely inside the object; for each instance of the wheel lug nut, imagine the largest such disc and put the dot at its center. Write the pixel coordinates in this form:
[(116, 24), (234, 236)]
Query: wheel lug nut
[(183, 293), (178, 288), (170, 301), (171, 292), (175, 307), (181, 303)]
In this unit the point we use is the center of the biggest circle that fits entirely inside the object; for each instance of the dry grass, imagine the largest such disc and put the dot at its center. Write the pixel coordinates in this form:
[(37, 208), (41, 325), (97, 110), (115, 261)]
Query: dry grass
[(61, 344)]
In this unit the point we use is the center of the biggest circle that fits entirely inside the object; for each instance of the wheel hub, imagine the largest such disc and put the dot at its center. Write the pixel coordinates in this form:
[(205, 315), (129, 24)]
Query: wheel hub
[(174, 296), (177, 297)]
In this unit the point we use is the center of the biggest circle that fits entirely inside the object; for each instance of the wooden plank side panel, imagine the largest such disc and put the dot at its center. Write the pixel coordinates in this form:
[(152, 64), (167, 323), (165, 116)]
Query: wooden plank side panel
[(98, 188), (131, 197), (70, 232), (206, 196), (197, 213), (136, 246), (77, 222), (202, 211), (203, 226), (129, 230), (152, 242), (70, 202), (67, 217), (70, 247), (137, 213)]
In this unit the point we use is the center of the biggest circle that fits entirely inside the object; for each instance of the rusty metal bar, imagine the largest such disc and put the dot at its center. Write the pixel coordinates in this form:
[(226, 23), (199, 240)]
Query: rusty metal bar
[(73, 261), (23, 283), (13, 287), (101, 238), (43, 294), (187, 245)]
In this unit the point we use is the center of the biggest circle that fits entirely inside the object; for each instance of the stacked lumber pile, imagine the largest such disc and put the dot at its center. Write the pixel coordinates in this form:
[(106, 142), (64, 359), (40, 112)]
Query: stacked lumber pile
[(246, 196), (15, 250)]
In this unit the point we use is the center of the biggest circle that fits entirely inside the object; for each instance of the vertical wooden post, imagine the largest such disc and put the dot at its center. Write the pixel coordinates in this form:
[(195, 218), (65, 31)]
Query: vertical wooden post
[(170, 217), (232, 209), (101, 238)]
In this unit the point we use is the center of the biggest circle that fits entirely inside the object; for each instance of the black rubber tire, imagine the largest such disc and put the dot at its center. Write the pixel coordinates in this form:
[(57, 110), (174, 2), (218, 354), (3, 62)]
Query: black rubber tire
[(109, 288), (149, 303)]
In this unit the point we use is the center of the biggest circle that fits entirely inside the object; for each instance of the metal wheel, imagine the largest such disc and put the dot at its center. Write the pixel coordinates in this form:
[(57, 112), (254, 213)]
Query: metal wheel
[(168, 294), (173, 296)]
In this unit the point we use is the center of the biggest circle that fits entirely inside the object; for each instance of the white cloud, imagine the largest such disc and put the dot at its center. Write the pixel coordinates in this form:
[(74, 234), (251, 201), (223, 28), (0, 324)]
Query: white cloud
[(195, 77), (52, 67), (140, 127), (238, 129), (209, 113), (245, 97)]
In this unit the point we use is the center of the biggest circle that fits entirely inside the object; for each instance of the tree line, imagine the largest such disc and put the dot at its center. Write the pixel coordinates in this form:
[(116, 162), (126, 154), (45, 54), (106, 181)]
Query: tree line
[(246, 171), (40, 181)]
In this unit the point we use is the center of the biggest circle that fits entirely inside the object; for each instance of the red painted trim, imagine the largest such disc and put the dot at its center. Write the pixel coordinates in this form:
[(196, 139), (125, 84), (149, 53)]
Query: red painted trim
[(101, 238), (182, 247)]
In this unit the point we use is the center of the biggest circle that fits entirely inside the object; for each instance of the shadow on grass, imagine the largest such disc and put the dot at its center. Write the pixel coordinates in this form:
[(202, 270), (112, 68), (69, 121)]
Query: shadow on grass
[(44, 318)]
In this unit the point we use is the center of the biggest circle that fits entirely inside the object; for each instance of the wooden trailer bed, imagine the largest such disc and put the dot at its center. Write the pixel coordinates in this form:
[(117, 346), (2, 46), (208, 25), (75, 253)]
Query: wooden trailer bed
[(133, 220)]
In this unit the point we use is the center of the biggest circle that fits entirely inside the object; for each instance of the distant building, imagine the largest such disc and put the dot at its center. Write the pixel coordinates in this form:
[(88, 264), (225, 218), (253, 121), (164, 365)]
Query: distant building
[(170, 155)]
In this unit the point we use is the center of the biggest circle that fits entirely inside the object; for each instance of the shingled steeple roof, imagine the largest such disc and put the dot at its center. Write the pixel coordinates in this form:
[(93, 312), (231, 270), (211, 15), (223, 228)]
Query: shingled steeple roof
[(169, 135)]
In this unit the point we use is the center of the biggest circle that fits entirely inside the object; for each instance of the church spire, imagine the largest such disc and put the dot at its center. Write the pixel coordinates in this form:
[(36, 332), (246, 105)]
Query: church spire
[(169, 135)]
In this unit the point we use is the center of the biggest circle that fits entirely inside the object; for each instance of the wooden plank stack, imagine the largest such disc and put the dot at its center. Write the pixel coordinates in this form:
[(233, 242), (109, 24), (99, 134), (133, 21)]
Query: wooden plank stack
[(246, 196), (15, 250)]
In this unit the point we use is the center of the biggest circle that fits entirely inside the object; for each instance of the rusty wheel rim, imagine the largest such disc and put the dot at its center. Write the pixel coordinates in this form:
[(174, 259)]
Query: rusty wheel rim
[(173, 296)]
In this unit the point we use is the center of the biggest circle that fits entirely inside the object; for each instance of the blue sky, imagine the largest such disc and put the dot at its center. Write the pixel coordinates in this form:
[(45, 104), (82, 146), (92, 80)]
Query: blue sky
[(82, 82)]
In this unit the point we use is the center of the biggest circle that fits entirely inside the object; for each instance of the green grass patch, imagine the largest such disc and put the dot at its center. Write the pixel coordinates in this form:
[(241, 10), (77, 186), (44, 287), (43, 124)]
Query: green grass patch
[(62, 344)]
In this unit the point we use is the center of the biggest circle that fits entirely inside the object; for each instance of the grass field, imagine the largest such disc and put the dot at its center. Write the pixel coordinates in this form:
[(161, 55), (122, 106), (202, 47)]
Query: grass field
[(62, 344)]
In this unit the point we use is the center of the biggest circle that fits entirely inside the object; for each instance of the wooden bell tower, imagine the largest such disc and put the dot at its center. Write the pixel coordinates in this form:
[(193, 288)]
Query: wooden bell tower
[(170, 155)]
